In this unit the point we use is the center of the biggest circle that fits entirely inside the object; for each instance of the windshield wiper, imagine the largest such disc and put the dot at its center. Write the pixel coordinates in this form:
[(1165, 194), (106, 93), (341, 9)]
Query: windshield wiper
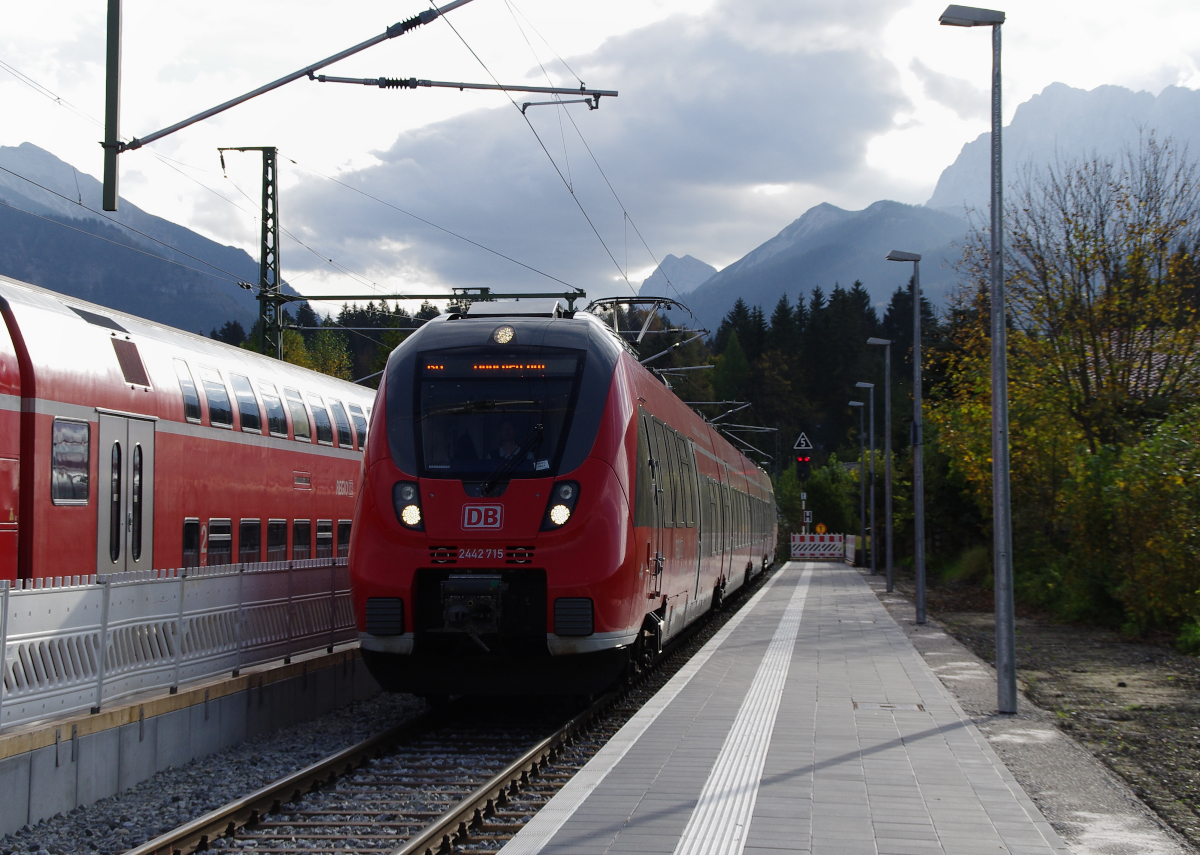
[(534, 439), (491, 405)]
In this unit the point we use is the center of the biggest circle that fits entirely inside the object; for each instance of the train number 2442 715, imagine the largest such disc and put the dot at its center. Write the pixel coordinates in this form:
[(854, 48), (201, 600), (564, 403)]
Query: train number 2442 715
[(480, 553)]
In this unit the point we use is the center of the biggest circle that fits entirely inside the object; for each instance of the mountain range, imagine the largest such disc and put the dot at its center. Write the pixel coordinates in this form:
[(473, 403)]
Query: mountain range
[(56, 237)]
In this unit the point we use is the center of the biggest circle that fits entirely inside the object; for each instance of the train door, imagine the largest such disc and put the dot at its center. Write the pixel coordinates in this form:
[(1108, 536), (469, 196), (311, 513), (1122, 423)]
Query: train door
[(694, 498), (10, 454), (649, 510), (125, 506)]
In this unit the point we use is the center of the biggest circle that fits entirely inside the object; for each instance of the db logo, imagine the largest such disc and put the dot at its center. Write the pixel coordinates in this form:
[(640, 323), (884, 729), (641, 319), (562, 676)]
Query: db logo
[(483, 516)]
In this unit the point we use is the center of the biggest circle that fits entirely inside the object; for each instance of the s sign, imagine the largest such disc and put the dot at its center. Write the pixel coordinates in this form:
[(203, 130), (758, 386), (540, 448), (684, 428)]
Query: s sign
[(483, 516)]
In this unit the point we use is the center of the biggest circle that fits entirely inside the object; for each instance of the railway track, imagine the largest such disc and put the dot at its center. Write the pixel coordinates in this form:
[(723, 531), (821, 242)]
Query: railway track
[(460, 778)]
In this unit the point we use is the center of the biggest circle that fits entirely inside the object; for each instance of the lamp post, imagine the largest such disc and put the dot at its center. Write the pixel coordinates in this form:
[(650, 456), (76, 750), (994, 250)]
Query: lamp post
[(887, 451), (862, 483), (871, 435), (918, 438), (1006, 637)]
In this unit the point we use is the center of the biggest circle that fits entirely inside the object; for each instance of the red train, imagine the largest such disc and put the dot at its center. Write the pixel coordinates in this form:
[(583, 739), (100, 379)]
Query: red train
[(538, 511), (128, 445)]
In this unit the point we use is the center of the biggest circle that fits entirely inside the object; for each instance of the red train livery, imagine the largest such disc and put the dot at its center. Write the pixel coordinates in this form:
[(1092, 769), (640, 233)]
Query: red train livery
[(538, 510), (128, 445)]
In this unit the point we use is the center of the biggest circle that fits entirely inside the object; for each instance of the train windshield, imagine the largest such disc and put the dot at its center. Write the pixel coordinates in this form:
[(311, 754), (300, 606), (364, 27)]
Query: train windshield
[(482, 413)]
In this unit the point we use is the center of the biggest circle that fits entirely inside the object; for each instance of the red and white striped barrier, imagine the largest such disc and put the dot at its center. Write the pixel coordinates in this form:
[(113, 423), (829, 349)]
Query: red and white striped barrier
[(819, 546)]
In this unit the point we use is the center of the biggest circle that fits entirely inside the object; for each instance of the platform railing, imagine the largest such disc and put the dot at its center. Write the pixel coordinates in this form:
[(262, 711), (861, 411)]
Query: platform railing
[(76, 643)]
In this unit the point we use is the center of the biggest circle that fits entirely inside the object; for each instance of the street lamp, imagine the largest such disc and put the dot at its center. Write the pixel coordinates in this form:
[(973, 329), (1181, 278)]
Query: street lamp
[(1006, 637), (887, 450), (871, 419), (918, 434), (862, 484)]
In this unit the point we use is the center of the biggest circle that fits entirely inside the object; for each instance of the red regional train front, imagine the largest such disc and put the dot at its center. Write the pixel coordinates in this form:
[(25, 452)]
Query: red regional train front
[(127, 445), (538, 510)]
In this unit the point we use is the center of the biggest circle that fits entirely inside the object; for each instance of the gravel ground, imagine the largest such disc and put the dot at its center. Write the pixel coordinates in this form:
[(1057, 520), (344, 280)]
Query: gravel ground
[(179, 794), (1133, 706)]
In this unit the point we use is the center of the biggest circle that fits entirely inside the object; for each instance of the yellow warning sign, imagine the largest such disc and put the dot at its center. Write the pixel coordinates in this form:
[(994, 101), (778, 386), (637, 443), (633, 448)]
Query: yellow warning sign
[(820, 528)]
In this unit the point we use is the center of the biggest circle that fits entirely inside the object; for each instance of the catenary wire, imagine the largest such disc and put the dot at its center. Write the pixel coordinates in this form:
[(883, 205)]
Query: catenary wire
[(549, 156)]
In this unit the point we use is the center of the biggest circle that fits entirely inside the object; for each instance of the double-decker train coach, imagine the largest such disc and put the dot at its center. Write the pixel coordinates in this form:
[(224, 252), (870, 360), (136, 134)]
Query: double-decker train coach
[(128, 445), (539, 512)]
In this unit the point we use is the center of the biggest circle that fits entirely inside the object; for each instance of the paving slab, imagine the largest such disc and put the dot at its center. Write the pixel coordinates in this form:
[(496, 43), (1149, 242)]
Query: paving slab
[(807, 724)]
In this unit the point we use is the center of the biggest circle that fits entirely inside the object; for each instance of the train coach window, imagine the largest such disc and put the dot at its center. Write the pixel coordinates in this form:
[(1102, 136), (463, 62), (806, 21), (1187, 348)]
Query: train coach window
[(321, 417), (191, 398), (301, 540), (191, 543), (345, 440), (248, 410), (687, 514), (220, 542), (277, 540), (360, 425), (250, 541), (343, 538), (220, 411), (301, 429), (324, 539), (276, 420), (665, 486), (70, 458)]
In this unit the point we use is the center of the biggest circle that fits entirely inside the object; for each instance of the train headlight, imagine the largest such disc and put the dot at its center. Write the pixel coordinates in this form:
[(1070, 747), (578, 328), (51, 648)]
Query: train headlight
[(406, 501), (561, 506)]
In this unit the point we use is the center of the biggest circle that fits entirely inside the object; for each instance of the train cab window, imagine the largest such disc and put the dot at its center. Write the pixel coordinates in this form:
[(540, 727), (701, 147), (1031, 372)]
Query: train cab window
[(70, 458), (301, 429), (324, 539), (191, 542), (276, 420), (191, 398), (220, 411), (345, 439), (250, 541), (321, 417), (360, 425), (301, 540), (343, 538), (248, 410), (277, 540), (220, 542)]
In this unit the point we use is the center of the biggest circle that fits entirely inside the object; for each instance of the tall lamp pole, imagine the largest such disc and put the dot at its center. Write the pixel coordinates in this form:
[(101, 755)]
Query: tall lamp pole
[(871, 435), (862, 484), (1006, 636), (887, 451), (918, 433)]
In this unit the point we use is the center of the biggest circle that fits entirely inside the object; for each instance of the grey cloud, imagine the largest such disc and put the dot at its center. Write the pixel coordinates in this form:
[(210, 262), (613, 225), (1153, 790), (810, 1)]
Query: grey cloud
[(703, 114), (965, 99)]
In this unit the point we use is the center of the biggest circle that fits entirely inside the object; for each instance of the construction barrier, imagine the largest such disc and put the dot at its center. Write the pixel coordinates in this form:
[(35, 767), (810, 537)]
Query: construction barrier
[(819, 546)]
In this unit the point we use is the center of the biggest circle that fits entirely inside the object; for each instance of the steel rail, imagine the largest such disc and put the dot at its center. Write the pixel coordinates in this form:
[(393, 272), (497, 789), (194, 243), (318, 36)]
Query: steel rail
[(200, 832)]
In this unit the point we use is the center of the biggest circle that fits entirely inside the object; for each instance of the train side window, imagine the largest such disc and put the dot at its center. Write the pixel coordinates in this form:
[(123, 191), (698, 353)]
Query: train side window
[(191, 398), (321, 417), (343, 538), (360, 425), (276, 420), (250, 541), (324, 539), (301, 429), (345, 439), (70, 462), (220, 542), (301, 540), (688, 516), (277, 540), (191, 542), (220, 411), (663, 455), (643, 508), (248, 411)]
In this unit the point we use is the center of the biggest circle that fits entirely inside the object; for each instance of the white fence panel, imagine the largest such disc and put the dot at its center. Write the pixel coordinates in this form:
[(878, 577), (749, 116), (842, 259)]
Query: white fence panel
[(73, 644)]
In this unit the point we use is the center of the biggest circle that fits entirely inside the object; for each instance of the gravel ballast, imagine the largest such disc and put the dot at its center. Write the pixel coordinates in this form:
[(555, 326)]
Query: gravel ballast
[(180, 794)]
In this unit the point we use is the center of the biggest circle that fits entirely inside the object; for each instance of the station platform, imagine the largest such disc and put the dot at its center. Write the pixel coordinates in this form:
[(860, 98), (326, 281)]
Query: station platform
[(808, 723)]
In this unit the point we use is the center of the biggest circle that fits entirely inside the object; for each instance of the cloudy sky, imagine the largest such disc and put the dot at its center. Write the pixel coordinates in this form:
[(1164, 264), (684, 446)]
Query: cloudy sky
[(734, 117)]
